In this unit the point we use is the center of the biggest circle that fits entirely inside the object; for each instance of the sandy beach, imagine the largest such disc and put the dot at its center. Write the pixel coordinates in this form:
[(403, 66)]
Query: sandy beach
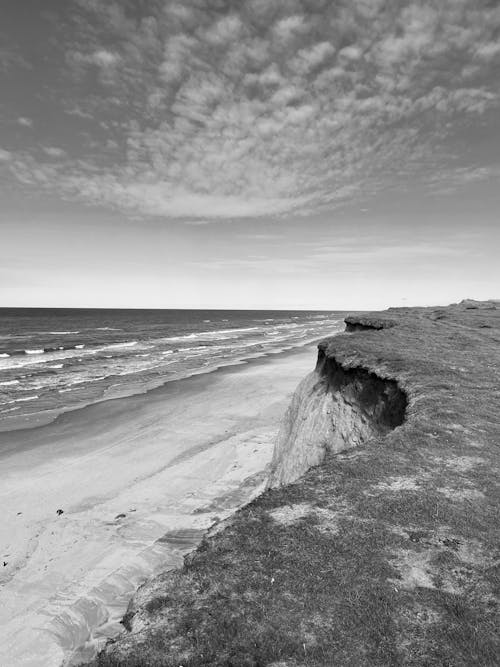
[(138, 480)]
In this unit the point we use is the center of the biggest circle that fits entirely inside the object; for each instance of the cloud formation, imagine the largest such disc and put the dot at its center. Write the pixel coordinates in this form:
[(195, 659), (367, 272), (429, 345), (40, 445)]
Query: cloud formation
[(25, 122), (265, 108)]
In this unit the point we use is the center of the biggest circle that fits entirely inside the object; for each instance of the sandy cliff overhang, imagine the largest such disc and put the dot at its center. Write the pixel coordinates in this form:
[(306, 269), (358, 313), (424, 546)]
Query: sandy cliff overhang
[(334, 409)]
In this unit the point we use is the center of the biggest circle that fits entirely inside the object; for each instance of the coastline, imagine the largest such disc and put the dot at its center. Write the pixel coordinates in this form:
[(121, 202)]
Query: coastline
[(43, 418), (173, 461), (385, 551)]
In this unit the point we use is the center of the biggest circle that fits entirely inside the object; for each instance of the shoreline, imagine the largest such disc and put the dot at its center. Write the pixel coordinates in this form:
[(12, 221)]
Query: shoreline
[(139, 479), (36, 420)]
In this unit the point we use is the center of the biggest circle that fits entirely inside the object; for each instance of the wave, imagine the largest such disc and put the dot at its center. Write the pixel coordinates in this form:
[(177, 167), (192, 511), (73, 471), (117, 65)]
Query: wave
[(185, 337), (41, 350), (107, 329), (222, 331), (67, 348), (8, 383), (210, 334), (113, 346), (88, 380), (63, 333), (23, 400), (73, 386)]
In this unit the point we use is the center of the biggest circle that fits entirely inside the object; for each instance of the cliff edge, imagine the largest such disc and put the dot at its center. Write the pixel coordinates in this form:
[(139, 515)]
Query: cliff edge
[(386, 550)]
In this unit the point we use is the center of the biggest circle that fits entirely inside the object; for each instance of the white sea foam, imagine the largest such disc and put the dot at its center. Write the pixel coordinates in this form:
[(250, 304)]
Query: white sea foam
[(8, 383), (243, 329), (186, 337), (201, 335), (114, 346), (24, 399), (4, 355), (40, 356), (87, 380)]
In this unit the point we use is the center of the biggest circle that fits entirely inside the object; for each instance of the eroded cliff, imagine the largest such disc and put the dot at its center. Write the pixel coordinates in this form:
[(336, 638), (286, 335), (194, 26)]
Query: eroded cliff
[(333, 409)]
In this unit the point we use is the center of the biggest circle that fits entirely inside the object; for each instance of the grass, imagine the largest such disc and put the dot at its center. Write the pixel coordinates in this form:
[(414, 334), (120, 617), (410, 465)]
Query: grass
[(386, 555)]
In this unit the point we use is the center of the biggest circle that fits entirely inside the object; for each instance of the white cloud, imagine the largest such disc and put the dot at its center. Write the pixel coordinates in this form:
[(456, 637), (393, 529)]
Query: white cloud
[(103, 58), (488, 51), (54, 152), (290, 26), (269, 108), (5, 156), (224, 30), (25, 122), (100, 58), (163, 199), (350, 52), (313, 56)]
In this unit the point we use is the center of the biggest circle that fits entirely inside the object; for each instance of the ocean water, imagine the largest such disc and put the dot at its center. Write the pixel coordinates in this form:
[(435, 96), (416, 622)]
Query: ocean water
[(52, 361)]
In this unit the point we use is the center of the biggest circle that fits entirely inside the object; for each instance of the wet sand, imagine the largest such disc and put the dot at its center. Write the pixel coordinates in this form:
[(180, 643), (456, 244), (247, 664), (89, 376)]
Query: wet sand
[(126, 473)]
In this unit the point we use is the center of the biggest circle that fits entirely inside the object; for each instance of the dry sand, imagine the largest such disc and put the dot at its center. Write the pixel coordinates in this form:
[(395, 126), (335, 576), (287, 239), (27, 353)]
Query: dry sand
[(174, 459)]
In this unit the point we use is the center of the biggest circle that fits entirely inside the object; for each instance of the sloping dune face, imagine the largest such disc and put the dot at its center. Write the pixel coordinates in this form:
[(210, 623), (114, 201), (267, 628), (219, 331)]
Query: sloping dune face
[(333, 409)]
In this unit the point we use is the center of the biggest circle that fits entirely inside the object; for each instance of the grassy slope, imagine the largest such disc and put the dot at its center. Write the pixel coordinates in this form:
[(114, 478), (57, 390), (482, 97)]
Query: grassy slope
[(386, 555)]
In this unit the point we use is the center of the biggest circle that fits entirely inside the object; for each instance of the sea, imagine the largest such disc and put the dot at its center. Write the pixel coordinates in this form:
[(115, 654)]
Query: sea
[(55, 360)]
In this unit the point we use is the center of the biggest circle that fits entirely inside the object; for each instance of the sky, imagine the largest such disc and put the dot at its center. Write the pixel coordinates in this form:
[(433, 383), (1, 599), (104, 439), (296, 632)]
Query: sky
[(308, 154)]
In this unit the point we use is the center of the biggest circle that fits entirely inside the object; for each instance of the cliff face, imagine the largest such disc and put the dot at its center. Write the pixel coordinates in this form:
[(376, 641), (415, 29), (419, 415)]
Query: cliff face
[(333, 409)]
